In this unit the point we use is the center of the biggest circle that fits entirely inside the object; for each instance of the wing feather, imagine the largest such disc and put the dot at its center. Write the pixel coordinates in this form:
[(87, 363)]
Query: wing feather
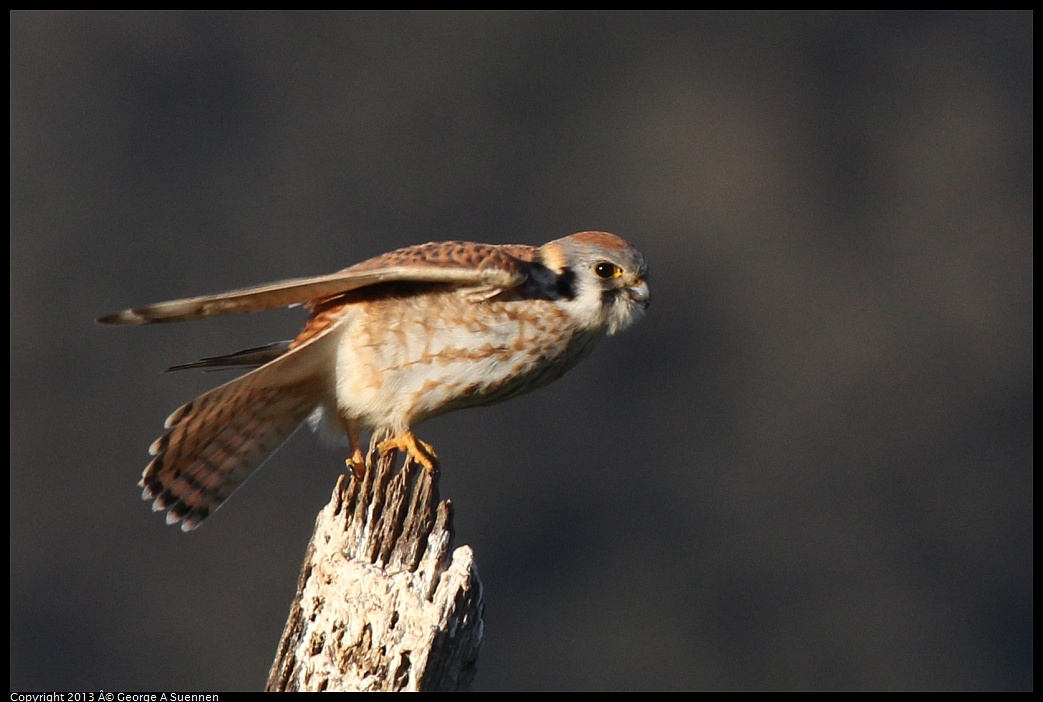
[(455, 263)]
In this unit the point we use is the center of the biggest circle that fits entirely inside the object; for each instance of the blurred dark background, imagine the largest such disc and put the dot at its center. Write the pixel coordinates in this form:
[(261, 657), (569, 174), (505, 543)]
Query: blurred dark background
[(809, 467)]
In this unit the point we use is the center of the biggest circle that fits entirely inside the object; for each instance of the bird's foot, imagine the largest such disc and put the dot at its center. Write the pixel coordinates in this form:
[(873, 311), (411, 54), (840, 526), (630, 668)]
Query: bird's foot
[(419, 451), (357, 463)]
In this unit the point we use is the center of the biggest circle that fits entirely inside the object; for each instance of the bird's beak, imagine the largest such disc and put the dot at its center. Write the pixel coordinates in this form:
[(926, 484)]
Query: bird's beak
[(639, 293)]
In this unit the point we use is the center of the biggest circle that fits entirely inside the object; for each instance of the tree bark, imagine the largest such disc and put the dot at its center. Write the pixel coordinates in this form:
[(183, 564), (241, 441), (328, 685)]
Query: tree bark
[(382, 604)]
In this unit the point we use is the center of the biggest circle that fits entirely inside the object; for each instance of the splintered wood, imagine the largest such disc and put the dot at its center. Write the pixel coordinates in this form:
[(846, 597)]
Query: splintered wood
[(382, 603)]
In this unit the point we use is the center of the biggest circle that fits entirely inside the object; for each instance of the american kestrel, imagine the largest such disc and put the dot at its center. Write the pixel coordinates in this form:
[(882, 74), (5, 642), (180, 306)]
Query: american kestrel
[(389, 342)]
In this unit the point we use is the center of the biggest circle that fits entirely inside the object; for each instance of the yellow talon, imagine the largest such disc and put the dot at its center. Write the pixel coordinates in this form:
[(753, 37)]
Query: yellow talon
[(419, 451), (357, 464)]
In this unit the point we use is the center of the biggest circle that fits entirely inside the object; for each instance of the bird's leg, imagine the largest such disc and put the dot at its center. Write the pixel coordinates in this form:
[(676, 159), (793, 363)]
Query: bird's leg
[(420, 451), (356, 462)]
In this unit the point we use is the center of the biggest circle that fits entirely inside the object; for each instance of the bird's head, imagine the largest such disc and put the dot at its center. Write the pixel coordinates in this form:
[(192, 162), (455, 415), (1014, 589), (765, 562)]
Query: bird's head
[(601, 279)]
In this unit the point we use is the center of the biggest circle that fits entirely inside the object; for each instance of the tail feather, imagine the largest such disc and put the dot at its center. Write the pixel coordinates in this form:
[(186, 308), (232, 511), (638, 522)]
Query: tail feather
[(216, 441)]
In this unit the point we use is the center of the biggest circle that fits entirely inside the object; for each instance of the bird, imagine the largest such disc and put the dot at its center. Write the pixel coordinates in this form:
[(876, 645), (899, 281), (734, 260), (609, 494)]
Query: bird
[(388, 343)]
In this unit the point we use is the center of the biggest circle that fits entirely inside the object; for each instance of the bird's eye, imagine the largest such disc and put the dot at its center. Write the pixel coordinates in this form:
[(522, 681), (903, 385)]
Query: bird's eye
[(607, 270)]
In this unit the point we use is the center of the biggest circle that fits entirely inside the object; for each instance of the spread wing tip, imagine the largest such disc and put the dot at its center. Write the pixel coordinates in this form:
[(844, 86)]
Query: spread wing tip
[(125, 318), (173, 311)]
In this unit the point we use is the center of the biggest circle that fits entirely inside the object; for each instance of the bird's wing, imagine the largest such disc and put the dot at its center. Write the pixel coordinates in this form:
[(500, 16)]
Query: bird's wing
[(247, 358), (463, 264)]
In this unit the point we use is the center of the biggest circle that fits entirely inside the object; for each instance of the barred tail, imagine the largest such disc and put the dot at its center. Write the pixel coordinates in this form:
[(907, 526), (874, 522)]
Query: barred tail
[(216, 441)]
